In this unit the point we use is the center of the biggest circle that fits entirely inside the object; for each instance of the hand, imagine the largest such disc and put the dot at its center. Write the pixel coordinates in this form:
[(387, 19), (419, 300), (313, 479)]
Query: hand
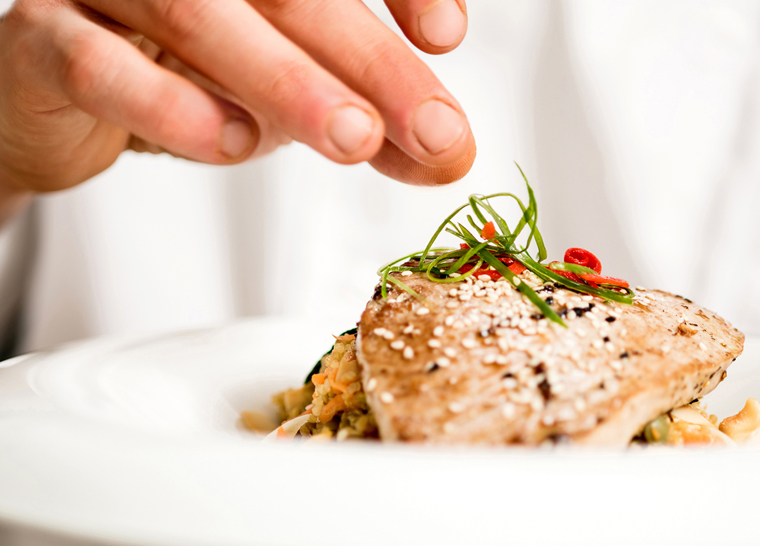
[(219, 81)]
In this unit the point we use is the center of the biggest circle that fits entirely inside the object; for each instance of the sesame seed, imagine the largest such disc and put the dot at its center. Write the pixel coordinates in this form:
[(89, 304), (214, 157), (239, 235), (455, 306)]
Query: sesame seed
[(465, 296), (438, 331), (453, 292), (484, 278), (469, 343), (597, 343), (423, 311), (388, 335), (480, 293), (371, 384), (434, 344), (443, 362), (408, 353), (409, 329), (547, 420), (702, 346), (379, 331), (509, 383), (406, 274), (453, 380), (516, 281), (452, 305), (610, 347), (456, 407), (397, 345), (386, 397), (508, 410), (490, 358), (451, 353)]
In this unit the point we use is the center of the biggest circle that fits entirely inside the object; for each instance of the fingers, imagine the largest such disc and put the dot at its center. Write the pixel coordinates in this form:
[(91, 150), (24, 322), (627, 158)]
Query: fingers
[(434, 26), (237, 48), (111, 80), (394, 163), (422, 118)]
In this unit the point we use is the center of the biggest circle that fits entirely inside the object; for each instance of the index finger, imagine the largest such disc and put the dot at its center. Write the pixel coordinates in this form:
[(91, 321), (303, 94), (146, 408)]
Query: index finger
[(422, 118)]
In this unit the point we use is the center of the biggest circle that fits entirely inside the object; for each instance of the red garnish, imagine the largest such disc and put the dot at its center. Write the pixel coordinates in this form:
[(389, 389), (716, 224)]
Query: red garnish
[(579, 256), (567, 274), (463, 246), (513, 265), (601, 279), (488, 231)]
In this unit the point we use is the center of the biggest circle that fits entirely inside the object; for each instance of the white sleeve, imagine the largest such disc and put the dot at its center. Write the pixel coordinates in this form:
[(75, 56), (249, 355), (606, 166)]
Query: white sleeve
[(16, 254)]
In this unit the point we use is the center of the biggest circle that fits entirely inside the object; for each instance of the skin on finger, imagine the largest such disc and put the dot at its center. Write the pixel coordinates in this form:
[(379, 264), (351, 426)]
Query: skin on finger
[(111, 80), (233, 45), (271, 137), (394, 163), (434, 26), (421, 116)]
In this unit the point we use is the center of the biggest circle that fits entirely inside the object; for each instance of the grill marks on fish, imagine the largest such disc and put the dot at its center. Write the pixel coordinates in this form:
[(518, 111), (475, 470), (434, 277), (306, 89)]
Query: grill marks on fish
[(502, 375)]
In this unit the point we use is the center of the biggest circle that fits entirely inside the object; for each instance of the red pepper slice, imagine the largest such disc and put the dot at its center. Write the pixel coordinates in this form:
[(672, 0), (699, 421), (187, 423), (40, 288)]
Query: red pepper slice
[(513, 265), (567, 274), (580, 256), (488, 231), (601, 279)]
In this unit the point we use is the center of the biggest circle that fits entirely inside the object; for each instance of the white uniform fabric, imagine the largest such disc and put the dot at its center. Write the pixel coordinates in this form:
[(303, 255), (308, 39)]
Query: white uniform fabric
[(637, 122)]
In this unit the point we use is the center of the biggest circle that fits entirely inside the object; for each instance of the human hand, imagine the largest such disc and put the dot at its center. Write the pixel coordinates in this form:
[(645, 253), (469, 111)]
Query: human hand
[(219, 82)]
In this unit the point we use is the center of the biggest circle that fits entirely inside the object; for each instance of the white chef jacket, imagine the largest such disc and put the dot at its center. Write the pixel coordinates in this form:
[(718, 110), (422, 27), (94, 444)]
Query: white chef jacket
[(637, 122)]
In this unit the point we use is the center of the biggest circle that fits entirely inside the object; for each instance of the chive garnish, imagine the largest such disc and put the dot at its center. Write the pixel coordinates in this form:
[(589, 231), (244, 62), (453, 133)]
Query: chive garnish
[(443, 264)]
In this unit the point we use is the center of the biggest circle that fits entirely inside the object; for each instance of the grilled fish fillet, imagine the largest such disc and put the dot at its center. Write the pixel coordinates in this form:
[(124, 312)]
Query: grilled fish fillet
[(476, 363)]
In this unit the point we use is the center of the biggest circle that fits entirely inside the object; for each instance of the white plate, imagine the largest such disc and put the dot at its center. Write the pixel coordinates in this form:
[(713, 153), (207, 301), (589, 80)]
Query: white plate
[(136, 441)]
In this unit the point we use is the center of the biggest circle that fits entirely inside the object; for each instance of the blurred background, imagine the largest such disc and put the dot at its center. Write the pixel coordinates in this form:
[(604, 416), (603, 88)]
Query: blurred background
[(637, 122)]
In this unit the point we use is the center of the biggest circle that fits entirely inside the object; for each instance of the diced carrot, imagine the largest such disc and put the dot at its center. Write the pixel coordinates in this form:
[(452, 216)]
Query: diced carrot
[(331, 408), (488, 231), (318, 378), (338, 386)]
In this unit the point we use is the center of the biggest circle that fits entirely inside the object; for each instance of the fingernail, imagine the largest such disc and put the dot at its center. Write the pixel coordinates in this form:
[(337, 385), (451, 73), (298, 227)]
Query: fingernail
[(443, 24), (235, 138), (349, 128), (437, 126)]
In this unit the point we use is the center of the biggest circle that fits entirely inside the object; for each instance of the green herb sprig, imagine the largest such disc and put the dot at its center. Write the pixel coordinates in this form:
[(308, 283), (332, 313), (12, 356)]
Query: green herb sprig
[(442, 264)]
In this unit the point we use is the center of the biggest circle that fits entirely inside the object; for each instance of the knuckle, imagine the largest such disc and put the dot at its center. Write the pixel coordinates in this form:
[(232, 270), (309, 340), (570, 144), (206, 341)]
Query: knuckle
[(374, 61), (82, 69), (282, 7), (183, 19), (291, 82)]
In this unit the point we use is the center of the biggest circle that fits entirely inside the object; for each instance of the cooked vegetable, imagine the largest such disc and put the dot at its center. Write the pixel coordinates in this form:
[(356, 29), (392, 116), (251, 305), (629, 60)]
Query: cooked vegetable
[(657, 430), (318, 365)]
